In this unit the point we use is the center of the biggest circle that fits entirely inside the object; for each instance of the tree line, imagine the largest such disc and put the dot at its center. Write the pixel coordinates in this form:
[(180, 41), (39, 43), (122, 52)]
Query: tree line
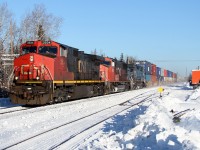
[(36, 24)]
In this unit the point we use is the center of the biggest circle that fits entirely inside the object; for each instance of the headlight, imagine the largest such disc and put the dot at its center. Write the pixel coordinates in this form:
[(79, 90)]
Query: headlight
[(16, 78), (37, 78)]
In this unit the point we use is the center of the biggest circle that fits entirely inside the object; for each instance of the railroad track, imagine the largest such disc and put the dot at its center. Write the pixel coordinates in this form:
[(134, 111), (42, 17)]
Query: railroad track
[(18, 109), (12, 110), (67, 131)]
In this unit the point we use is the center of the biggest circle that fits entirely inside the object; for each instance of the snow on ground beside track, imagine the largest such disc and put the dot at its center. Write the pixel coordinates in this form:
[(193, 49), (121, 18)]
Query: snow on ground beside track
[(151, 126), (146, 126), (16, 127)]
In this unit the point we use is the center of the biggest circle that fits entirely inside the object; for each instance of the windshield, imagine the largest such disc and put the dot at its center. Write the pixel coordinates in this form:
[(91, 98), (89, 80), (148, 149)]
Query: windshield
[(30, 49), (49, 50)]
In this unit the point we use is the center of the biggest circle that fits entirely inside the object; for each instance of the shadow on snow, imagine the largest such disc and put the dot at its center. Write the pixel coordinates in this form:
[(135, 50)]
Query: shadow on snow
[(144, 140), (123, 123), (179, 87)]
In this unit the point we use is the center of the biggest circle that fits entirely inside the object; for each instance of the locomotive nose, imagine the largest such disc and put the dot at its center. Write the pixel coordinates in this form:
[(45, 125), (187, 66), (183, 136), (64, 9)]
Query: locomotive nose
[(26, 68)]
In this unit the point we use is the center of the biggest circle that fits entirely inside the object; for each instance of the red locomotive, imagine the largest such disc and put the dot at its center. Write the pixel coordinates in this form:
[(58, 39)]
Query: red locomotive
[(47, 72)]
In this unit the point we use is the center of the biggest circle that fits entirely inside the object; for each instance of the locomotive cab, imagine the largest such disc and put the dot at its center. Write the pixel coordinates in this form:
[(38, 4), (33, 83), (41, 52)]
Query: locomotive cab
[(44, 48)]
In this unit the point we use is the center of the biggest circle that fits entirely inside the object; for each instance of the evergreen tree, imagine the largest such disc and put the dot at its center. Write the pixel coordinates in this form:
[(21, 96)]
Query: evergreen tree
[(41, 34), (122, 57)]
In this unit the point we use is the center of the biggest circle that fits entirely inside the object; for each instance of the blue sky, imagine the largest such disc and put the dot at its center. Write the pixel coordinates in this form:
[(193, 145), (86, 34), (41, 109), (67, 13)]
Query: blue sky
[(164, 32)]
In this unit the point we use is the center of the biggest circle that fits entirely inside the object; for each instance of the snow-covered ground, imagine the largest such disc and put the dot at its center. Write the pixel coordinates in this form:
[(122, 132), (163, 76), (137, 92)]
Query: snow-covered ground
[(107, 123)]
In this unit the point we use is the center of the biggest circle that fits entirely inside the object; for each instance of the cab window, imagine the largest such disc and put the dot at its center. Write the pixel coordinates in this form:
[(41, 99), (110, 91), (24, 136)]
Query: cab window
[(48, 50), (30, 49), (106, 63)]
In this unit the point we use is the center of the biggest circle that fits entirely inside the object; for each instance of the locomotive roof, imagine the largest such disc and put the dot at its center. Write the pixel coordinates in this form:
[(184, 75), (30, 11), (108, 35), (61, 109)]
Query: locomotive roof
[(67, 47), (143, 61), (72, 48)]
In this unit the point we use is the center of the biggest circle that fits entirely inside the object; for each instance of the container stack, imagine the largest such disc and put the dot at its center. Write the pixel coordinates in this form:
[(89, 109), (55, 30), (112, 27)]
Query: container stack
[(155, 75)]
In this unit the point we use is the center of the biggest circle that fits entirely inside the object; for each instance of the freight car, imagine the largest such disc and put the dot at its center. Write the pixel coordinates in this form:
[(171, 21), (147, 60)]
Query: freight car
[(195, 78), (47, 72)]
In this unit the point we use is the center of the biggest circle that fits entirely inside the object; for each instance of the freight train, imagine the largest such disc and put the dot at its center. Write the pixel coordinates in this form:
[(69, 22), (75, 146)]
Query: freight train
[(47, 72)]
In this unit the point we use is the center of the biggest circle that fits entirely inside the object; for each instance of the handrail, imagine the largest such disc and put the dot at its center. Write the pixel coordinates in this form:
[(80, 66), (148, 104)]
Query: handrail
[(51, 79), (49, 72)]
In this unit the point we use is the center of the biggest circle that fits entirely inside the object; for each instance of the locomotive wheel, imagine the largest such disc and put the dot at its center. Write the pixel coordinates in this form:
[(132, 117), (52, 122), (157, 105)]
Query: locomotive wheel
[(101, 90), (51, 102), (106, 90), (60, 99)]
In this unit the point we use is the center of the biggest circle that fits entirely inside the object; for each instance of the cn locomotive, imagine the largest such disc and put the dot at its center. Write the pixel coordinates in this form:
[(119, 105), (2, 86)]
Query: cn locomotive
[(47, 72)]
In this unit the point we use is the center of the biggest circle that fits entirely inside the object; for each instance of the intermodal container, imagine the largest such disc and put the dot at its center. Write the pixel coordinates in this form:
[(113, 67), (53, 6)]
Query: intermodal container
[(169, 73), (153, 69), (158, 71), (165, 73), (174, 75), (148, 78), (148, 68), (146, 65), (153, 78)]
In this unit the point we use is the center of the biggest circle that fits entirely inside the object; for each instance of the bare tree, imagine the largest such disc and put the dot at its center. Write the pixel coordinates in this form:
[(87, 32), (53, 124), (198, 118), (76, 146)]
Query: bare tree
[(12, 36), (101, 53), (130, 60), (122, 57), (94, 52), (39, 25), (16, 38), (5, 20)]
